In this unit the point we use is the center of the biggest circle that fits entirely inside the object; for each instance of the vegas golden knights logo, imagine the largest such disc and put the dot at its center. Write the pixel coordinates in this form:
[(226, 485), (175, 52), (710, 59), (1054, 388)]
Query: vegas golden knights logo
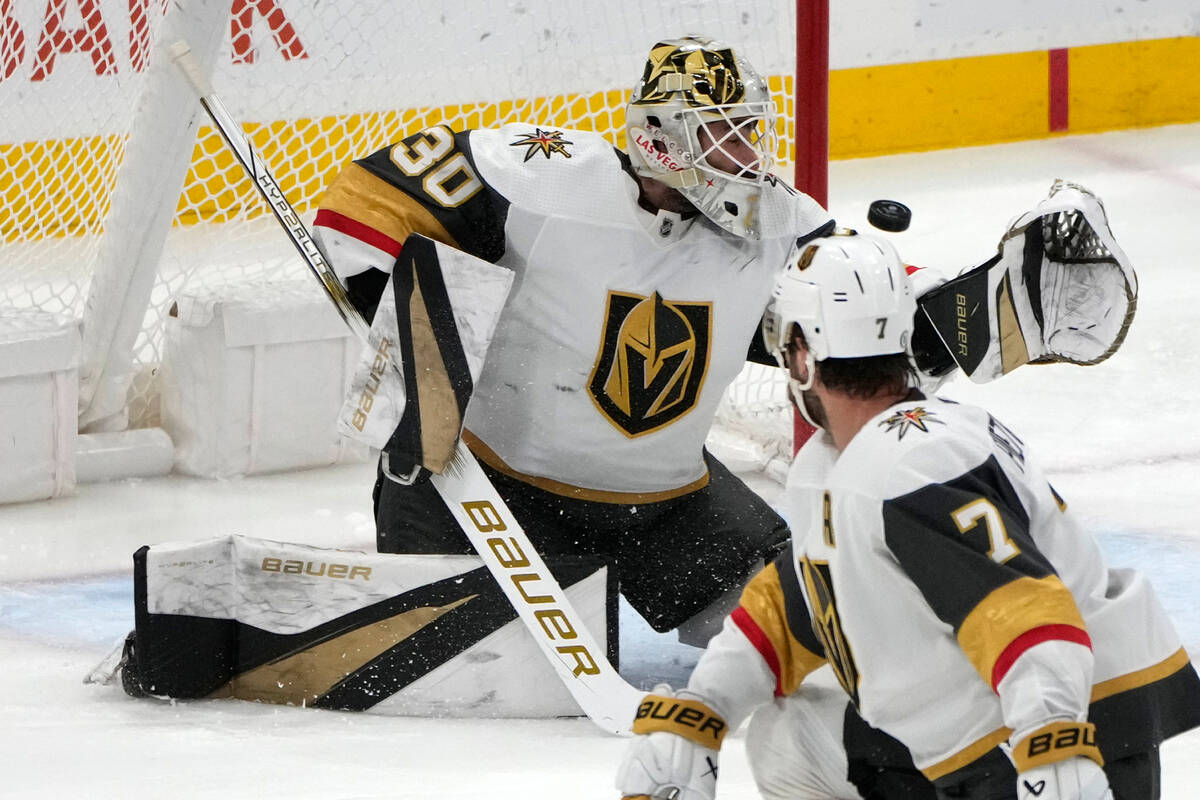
[(818, 584), (652, 361), (713, 77)]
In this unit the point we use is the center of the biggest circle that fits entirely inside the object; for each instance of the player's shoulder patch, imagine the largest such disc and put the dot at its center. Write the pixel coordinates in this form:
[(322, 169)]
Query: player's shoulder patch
[(913, 443), (554, 171), (540, 147), (910, 418), (548, 143)]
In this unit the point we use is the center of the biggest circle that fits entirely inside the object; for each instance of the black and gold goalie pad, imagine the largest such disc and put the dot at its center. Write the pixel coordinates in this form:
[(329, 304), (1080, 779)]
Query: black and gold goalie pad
[(251, 619), (1060, 289)]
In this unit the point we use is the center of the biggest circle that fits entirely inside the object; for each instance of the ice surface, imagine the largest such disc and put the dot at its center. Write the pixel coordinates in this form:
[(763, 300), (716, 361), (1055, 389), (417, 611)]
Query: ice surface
[(1119, 441)]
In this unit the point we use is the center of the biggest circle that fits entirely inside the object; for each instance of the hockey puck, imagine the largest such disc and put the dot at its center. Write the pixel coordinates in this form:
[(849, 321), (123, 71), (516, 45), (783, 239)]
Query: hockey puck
[(888, 215)]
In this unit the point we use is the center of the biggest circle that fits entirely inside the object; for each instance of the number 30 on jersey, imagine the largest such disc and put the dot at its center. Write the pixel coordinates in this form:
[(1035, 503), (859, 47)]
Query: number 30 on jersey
[(449, 179)]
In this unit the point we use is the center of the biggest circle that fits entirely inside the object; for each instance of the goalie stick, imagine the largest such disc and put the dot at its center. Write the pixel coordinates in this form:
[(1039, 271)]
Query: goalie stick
[(607, 698)]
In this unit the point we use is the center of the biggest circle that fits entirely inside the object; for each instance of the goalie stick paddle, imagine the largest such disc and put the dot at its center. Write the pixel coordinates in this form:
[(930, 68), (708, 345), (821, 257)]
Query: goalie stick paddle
[(607, 698)]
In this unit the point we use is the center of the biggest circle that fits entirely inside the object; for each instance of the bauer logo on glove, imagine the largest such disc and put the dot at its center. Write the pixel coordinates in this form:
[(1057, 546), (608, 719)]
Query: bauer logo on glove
[(675, 749), (687, 718)]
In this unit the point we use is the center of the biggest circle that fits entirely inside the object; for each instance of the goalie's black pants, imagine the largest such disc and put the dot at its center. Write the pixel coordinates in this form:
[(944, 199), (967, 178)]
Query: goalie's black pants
[(673, 557)]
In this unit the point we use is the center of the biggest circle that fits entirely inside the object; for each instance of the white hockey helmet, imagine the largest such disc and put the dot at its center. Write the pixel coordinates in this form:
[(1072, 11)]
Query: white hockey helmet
[(701, 121), (851, 297)]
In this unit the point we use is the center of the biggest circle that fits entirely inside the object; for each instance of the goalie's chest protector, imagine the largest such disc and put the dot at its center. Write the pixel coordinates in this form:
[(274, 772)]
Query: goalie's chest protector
[(622, 330)]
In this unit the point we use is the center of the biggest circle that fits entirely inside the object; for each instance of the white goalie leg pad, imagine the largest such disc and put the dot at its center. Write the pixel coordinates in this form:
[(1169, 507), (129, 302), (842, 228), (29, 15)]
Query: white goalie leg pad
[(794, 746), (413, 635), (1068, 295)]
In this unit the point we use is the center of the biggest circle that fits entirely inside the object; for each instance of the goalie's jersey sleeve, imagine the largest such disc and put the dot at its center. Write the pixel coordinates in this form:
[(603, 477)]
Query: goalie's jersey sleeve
[(623, 328), (933, 553), (427, 183)]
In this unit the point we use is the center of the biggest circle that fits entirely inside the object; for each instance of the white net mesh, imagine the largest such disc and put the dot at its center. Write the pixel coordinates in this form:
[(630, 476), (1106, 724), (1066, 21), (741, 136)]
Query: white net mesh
[(315, 84)]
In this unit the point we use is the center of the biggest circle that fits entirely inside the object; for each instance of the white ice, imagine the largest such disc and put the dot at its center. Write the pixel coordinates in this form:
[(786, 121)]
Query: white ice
[(1120, 440)]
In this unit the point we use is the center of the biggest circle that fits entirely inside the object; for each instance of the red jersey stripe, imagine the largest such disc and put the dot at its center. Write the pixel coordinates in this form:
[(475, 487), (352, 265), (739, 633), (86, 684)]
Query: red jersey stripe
[(1045, 633), (364, 233), (761, 643)]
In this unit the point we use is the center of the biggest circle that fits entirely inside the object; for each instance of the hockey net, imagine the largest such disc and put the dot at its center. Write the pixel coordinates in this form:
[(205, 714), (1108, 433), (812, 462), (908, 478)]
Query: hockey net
[(117, 199)]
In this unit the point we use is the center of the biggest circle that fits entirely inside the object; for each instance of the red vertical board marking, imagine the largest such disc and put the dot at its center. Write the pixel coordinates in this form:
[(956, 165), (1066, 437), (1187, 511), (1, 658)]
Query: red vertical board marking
[(1060, 90)]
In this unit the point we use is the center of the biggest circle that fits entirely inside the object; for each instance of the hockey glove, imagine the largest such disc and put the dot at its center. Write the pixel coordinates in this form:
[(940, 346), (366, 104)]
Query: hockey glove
[(1060, 761), (1060, 290), (674, 750)]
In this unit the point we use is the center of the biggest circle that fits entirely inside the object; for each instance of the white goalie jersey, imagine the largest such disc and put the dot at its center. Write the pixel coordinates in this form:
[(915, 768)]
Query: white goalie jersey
[(930, 556), (623, 328)]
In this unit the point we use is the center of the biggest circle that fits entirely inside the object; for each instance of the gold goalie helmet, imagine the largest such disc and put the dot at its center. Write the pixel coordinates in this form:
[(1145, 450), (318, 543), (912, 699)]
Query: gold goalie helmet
[(701, 121)]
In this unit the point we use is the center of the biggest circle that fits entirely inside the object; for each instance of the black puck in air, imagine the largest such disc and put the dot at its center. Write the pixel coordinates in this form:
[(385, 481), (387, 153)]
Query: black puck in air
[(888, 215)]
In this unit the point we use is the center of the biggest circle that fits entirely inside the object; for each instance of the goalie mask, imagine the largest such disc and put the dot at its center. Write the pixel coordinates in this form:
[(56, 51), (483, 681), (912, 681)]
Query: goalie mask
[(701, 121), (851, 297)]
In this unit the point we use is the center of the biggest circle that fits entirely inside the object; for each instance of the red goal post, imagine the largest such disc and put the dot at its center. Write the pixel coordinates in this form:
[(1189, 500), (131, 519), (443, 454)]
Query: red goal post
[(117, 197)]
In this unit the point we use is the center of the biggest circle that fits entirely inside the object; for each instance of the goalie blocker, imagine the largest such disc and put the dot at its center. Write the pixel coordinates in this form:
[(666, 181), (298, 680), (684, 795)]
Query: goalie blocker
[(428, 339), (391, 634)]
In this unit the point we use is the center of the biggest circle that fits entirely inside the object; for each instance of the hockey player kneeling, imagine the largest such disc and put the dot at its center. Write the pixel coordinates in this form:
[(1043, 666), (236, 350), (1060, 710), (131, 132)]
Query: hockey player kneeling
[(985, 649)]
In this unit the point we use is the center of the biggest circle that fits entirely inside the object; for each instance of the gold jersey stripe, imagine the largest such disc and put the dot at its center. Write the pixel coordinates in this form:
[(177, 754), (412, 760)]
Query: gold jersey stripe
[(1141, 677), (1011, 610), (489, 457), (976, 750), (374, 202), (307, 676), (763, 600)]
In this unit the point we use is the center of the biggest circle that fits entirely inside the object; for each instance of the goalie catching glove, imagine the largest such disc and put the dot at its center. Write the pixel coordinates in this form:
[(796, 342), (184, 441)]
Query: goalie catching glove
[(1060, 290), (1060, 761), (673, 755)]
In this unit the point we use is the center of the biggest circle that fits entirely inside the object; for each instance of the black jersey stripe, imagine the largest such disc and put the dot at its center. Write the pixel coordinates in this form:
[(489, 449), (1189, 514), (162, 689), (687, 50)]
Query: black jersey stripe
[(951, 561), (475, 226)]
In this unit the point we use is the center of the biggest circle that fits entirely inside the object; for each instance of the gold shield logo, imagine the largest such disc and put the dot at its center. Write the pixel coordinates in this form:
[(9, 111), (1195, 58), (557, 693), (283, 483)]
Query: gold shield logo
[(827, 624), (713, 77), (652, 361)]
